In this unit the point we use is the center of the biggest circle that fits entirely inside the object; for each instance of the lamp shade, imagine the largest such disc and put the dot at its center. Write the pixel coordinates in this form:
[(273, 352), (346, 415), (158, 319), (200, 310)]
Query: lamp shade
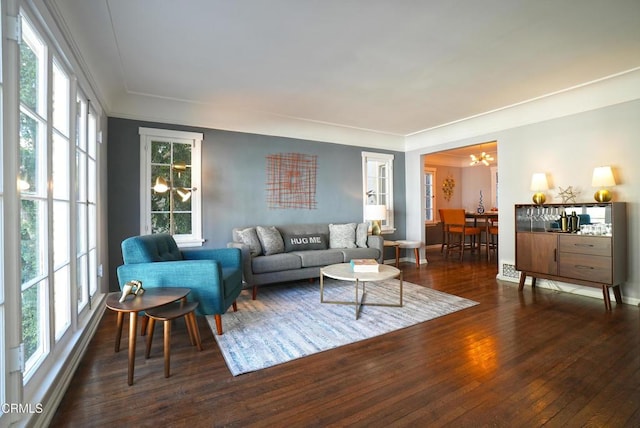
[(375, 212), (183, 193), (603, 177), (539, 182), (161, 185)]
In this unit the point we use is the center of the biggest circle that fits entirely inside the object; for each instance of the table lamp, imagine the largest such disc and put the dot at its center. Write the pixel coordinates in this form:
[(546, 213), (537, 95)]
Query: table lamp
[(603, 178), (539, 185), (375, 213)]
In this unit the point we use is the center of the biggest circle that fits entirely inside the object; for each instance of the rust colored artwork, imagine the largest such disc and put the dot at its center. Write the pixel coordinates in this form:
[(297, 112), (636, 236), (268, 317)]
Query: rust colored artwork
[(291, 181)]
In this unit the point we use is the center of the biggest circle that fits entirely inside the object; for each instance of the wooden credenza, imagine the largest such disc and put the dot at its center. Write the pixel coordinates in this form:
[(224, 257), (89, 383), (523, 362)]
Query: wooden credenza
[(594, 260)]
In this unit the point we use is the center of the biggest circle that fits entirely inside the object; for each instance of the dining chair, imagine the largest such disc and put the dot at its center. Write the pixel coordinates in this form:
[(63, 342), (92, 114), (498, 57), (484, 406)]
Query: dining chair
[(492, 238), (456, 226), (444, 231)]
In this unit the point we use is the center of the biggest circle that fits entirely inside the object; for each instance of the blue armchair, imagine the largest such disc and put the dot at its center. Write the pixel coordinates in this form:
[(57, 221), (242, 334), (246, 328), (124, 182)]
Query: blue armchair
[(214, 276)]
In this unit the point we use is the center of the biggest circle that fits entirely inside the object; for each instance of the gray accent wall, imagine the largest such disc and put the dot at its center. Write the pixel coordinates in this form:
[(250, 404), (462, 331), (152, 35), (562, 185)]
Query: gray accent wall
[(234, 176)]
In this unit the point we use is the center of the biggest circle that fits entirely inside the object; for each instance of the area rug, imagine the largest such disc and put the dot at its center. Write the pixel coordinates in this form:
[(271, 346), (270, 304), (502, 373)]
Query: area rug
[(288, 321)]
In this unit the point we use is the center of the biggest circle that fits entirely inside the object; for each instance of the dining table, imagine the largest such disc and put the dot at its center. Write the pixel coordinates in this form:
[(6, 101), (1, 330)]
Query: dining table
[(485, 216), (488, 217)]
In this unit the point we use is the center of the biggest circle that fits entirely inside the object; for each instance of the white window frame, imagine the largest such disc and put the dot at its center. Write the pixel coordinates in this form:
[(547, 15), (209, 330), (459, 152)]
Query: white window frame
[(388, 225), (434, 207), (494, 187), (147, 135)]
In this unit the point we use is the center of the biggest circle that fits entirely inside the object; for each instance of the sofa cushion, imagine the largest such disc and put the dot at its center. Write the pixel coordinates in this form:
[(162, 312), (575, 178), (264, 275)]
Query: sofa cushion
[(359, 253), (320, 258), (276, 263), (249, 236), (270, 240), (342, 235), (311, 241), (362, 231)]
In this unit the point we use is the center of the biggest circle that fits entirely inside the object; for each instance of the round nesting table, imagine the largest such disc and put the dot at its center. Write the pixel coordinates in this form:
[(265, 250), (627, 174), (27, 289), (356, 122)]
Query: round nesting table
[(152, 298), (344, 272)]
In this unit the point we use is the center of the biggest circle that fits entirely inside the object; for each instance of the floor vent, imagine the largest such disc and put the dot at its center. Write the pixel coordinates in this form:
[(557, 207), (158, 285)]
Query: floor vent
[(510, 271)]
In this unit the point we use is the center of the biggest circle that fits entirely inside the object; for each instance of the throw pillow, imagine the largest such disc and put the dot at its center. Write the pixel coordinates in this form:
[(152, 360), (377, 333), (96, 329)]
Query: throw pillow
[(270, 239), (314, 241), (342, 235), (249, 237), (362, 232)]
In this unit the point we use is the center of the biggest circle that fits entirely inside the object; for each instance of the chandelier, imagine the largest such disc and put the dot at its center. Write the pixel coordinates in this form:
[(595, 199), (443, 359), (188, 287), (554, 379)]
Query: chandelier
[(483, 158)]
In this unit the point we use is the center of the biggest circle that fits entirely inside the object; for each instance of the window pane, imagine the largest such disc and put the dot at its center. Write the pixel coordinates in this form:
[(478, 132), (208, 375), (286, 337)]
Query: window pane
[(81, 167), (60, 100), (91, 188), (81, 134), (29, 77), (91, 138), (93, 270), (93, 222), (159, 222), (32, 239), (32, 303), (159, 202), (61, 231), (183, 223), (60, 167), (81, 282), (161, 152), (182, 153), (30, 155), (82, 228), (62, 301)]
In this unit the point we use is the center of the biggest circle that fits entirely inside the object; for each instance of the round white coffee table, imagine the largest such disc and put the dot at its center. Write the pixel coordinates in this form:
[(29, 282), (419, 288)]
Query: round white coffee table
[(344, 272)]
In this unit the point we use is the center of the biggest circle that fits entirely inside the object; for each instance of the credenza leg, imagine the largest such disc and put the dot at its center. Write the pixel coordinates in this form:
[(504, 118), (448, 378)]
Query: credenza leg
[(617, 294), (523, 277), (607, 298)]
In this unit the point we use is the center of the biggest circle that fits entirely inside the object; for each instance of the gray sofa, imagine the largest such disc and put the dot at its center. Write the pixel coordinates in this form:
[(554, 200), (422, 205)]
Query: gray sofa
[(301, 250)]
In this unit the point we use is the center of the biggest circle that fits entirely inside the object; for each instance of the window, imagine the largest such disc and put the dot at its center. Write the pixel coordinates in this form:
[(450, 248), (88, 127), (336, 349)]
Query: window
[(170, 196), (38, 303), (429, 195), (86, 202), (34, 197), (58, 197), (377, 180)]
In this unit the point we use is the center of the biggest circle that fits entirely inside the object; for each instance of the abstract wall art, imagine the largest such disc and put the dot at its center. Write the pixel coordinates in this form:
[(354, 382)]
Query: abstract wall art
[(291, 181)]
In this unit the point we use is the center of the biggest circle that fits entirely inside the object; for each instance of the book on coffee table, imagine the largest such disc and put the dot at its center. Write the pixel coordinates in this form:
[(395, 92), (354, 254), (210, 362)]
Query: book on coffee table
[(364, 265)]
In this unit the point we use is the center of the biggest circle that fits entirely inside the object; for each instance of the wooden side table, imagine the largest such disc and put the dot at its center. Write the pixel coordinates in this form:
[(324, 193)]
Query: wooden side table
[(151, 298), (167, 313), (395, 245)]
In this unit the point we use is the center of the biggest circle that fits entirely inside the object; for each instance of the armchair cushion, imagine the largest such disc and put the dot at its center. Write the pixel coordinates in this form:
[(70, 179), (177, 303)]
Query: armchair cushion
[(150, 248)]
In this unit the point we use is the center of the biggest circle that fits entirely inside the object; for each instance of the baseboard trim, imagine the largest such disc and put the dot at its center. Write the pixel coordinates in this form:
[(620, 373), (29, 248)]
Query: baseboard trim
[(568, 288)]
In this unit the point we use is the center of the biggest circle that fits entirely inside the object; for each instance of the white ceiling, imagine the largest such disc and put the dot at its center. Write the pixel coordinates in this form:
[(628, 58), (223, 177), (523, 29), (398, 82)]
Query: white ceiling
[(392, 67)]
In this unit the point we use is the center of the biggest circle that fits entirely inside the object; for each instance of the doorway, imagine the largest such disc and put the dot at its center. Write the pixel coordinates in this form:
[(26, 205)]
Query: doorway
[(458, 178)]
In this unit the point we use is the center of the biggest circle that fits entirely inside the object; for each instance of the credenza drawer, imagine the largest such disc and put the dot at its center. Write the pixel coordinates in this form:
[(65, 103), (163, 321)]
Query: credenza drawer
[(585, 267), (581, 244)]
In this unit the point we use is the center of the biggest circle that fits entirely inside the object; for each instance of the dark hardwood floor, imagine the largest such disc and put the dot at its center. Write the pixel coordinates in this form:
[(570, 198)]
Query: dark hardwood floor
[(536, 358)]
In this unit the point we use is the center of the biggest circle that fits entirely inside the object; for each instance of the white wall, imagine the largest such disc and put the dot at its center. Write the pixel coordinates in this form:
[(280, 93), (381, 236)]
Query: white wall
[(567, 148)]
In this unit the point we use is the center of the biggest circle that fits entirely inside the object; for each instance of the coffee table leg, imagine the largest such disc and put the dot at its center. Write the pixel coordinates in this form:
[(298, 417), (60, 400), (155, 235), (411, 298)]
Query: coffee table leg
[(357, 304), (400, 288), (133, 321)]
